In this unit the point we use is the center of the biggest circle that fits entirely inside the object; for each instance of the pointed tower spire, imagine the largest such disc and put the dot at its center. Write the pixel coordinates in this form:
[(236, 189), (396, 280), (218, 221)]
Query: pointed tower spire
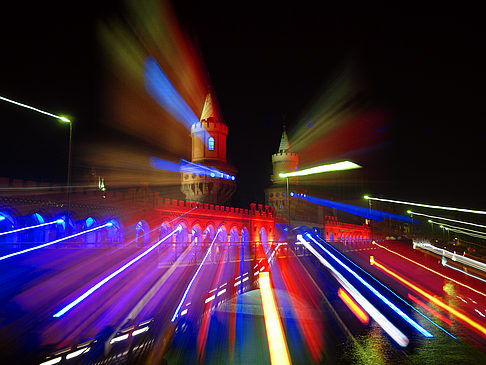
[(284, 142), (211, 109)]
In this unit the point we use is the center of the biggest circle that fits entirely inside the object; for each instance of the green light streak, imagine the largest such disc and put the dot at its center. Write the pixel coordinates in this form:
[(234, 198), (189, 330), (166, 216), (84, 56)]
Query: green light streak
[(338, 166)]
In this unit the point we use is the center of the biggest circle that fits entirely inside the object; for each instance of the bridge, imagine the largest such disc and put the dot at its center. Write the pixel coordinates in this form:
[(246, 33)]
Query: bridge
[(131, 277)]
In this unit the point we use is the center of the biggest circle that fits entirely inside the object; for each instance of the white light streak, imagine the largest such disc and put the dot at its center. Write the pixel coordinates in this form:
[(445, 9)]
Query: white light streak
[(427, 205)]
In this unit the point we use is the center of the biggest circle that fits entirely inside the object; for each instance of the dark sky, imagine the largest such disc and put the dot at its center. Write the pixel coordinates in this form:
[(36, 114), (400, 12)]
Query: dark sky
[(266, 66)]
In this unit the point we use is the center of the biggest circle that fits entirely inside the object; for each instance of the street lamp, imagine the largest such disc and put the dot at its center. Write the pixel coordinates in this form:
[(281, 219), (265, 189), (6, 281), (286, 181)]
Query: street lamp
[(337, 166), (62, 119)]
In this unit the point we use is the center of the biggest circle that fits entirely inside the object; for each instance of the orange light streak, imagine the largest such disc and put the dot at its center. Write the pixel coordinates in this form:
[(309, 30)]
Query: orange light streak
[(431, 310), (353, 306), (461, 316), (279, 353), (431, 270)]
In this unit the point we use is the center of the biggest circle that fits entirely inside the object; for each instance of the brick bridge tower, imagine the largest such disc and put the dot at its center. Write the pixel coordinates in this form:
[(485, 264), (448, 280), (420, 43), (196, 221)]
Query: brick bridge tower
[(209, 178)]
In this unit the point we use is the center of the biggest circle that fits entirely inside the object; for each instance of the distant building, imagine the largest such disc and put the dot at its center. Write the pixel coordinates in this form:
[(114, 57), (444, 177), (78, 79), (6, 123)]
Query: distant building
[(301, 211)]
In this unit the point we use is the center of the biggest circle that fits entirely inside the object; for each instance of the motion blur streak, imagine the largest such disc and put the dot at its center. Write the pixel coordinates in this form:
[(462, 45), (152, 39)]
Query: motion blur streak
[(111, 276), (382, 321), (447, 219), (427, 205), (431, 310), (477, 326), (429, 269), (353, 306), (31, 227), (161, 89), (355, 209), (339, 124), (377, 293), (279, 353), (176, 313), (54, 242), (297, 282), (156, 72)]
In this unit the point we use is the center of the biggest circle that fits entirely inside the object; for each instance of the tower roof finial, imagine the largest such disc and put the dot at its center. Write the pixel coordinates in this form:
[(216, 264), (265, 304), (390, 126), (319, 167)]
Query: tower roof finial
[(284, 141)]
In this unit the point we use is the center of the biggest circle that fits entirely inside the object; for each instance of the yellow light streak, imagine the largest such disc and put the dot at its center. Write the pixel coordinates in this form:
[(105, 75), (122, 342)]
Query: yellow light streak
[(279, 353), (434, 300), (431, 270)]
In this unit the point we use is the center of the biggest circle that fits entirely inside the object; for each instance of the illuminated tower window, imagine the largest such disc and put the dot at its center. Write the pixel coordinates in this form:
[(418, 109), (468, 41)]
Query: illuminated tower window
[(211, 144)]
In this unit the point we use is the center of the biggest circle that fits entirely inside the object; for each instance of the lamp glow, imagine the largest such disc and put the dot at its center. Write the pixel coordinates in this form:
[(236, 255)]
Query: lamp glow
[(338, 166)]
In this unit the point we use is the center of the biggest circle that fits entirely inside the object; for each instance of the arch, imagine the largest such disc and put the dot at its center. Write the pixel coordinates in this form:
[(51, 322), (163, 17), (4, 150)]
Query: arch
[(244, 235), (114, 233), (7, 223), (94, 236), (263, 235), (222, 234), (65, 227), (234, 236), (331, 237), (209, 233), (142, 232), (196, 233), (165, 229), (182, 235), (36, 234)]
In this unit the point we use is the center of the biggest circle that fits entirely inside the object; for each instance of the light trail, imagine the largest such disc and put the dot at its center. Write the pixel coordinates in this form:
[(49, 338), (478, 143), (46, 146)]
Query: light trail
[(338, 166), (64, 119), (444, 225), (426, 205), (446, 219), (382, 321), (176, 313), (279, 353), (477, 326), (31, 227), (111, 276), (431, 270), (431, 310), (353, 306), (444, 262), (397, 296), (109, 224), (458, 258), (397, 310)]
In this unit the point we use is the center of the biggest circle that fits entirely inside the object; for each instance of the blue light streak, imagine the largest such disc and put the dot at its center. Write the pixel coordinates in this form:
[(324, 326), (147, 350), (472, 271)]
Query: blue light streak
[(176, 313), (30, 227), (54, 242), (364, 212), (111, 276), (376, 292), (393, 293), (189, 167), (165, 94)]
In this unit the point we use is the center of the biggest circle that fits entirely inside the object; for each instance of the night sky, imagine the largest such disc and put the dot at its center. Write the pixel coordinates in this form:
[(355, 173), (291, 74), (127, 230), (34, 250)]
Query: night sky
[(266, 67)]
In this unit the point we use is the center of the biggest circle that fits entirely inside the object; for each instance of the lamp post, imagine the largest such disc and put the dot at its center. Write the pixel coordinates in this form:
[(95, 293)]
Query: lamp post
[(337, 166), (70, 122), (62, 119)]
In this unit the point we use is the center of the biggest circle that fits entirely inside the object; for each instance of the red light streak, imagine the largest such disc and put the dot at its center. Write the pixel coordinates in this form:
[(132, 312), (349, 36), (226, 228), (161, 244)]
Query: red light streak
[(431, 270), (438, 302), (353, 306), (431, 310)]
